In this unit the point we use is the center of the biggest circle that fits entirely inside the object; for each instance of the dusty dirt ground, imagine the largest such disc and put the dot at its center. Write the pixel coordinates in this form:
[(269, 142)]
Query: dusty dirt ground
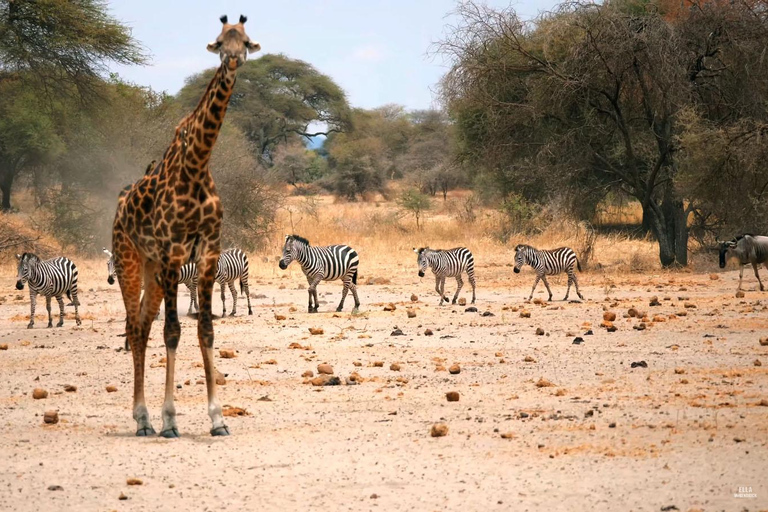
[(687, 431)]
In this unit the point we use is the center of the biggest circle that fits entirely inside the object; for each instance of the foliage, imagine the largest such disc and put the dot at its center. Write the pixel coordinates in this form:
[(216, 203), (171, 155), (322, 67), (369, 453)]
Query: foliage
[(413, 201)]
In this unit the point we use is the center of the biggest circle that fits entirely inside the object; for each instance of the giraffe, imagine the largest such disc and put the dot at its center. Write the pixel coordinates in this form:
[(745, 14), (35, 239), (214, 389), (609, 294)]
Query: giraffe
[(168, 217)]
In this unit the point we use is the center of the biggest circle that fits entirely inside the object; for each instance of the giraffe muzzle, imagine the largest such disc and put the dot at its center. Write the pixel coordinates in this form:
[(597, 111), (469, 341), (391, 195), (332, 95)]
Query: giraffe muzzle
[(19, 285)]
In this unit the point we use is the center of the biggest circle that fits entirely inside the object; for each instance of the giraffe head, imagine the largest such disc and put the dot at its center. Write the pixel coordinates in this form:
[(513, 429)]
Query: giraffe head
[(233, 45)]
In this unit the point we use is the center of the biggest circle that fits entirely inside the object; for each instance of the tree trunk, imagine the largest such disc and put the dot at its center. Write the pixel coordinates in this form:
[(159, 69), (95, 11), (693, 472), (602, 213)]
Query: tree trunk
[(669, 226), (6, 181)]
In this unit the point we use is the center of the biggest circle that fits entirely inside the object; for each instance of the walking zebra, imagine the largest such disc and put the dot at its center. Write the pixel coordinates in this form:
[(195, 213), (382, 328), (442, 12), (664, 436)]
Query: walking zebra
[(232, 266), (447, 263), (323, 264), (51, 278), (187, 277), (548, 263)]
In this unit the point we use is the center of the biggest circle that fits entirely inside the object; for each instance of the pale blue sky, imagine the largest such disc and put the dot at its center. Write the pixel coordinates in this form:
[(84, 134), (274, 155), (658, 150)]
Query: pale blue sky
[(374, 49)]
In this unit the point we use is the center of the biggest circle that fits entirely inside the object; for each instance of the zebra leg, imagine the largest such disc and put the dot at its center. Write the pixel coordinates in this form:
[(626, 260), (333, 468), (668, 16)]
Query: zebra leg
[(233, 290), (576, 284), (312, 290), (48, 307), (754, 266), (60, 300), (192, 298), (223, 301), (546, 283), (344, 292), (244, 286), (437, 289), (472, 282), (568, 290), (75, 301), (535, 284), (33, 303), (459, 285), (353, 287)]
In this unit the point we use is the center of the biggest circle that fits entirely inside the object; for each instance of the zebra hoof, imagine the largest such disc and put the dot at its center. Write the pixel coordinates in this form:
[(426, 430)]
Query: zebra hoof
[(50, 324), (29, 326), (220, 431), (250, 312), (61, 324), (231, 314)]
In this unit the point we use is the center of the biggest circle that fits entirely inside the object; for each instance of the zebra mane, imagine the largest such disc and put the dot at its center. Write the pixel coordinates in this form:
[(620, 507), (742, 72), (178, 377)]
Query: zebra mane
[(29, 256), (299, 239), (522, 246)]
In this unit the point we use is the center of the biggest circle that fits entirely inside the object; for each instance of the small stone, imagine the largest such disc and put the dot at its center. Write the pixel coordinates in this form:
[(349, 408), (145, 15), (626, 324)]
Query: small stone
[(543, 383), (428, 332), (739, 439), (69, 388), (539, 331), (314, 331), (764, 342), (609, 316), (279, 317), (632, 312), (679, 371), (714, 277), (39, 394), (325, 369), (378, 364), (55, 488), (270, 361), (689, 305), (411, 313), (763, 403), (739, 294), (390, 307), (454, 369), (757, 362), (394, 367), (462, 301), (612, 424), (654, 301), (471, 309), (226, 353), (414, 297), (51, 417), (529, 359), (639, 327), (355, 377), (439, 430), (221, 379), (525, 314), (292, 309), (234, 411), (452, 396), (397, 332), (357, 363), (508, 435), (122, 497), (326, 380), (4, 346), (308, 374), (134, 481)]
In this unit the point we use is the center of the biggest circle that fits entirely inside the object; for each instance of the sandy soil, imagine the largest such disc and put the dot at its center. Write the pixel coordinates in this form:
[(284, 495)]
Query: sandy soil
[(687, 431)]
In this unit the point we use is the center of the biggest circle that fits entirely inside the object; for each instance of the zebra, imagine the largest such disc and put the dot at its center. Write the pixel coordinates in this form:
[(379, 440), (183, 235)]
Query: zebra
[(50, 278), (323, 264), (233, 266), (548, 263), (447, 263), (187, 277)]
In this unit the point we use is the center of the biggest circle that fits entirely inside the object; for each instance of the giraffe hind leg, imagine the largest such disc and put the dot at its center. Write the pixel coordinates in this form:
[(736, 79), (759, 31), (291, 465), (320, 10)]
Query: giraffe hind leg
[(171, 335)]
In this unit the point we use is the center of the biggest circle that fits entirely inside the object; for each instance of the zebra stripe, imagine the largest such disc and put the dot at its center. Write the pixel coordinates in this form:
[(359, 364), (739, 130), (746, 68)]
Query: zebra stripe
[(327, 263), (549, 263), (51, 278), (233, 266), (447, 263)]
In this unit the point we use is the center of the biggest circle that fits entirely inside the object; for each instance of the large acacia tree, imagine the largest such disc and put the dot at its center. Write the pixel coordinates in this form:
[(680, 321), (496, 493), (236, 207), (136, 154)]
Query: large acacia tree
[(589, 98)]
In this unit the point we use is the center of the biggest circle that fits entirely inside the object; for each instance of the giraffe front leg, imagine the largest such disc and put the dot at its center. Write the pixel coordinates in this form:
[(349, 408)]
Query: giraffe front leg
[(459, 285), (233, 291), (60, 300), (33, 303), (48, 307), (171, 334), (207, 269)]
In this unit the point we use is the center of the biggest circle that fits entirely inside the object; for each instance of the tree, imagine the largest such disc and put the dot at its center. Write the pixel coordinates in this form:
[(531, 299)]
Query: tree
[(587, 99), (413, 201), (277, 100)]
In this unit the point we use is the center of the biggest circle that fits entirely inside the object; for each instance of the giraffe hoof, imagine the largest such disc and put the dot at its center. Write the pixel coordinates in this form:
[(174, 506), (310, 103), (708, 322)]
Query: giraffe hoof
[(145, 432), (171, 433), (220, 431)]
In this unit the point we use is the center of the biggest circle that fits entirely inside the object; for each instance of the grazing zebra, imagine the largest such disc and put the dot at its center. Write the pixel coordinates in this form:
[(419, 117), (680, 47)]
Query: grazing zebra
[(447, 263), (50, 278), (232, 266), (323, 264), (187, 277), (548, 263)]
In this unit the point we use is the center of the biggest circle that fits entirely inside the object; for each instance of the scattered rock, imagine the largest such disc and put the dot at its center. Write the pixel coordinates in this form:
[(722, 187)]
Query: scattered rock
[(233, 411), (757, 362), (452, 396), (578, 340), (227, 353), (378, 364), (39, 394), (414, 297), (279, 317), (428, 332), (463, 302), (134, 481), (739, 439), (539, 331), (69, 388), (659, 318), (357, 363), (4, 346), (763, 403), (326, 380), (411, 313), (529, 359), (632, 312), (508, 435), (314, 331), (122, 497), (612, 424), (639, 327), (654, 301), (679, 371), (355, 377), (689, 305), (55, 488), (397, 332), (739, 294), (543, 383), (764, 342), (325, 369), (609, 316), (487, 313), (454, 369), (51, 417), (390, 307), (639, 364), (525, 314), (308, 374), (394, 367), (221, 379), (471, 309), (439, 430)]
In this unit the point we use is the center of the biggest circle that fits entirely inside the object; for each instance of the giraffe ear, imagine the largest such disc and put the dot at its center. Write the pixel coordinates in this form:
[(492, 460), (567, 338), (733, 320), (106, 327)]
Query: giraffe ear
[(253, 47), (243, 19), (223, 19), (213, 47)]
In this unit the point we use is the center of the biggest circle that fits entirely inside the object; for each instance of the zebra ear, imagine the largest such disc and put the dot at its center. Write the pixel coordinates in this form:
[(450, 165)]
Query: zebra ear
[(416, 250), (18, 256)]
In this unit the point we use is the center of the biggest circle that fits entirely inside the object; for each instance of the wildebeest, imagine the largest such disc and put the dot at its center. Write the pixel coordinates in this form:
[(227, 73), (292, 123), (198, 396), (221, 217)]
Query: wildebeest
[(748, 249)]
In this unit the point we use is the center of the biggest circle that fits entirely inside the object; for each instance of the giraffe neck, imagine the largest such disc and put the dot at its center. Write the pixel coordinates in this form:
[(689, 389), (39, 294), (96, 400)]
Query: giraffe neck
[(200, 129)]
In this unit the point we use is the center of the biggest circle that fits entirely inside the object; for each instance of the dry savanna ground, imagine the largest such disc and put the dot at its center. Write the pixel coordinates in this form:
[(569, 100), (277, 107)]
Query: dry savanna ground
[(541, 422)]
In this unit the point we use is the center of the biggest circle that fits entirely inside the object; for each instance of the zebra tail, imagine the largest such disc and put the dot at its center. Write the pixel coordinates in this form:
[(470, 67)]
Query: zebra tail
[(241, 287), (578, 264), (354, 277)]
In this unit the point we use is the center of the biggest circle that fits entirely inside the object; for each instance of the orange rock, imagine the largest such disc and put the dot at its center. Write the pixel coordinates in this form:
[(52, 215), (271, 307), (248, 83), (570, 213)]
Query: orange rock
[(315, 331), (325, 369), (134, 481), (51, 417), (454, 369), (439, 430), (39, 394), (609, 316), (227, 353), (452, 396), (394, 367), (543, 383), (111, 389)]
